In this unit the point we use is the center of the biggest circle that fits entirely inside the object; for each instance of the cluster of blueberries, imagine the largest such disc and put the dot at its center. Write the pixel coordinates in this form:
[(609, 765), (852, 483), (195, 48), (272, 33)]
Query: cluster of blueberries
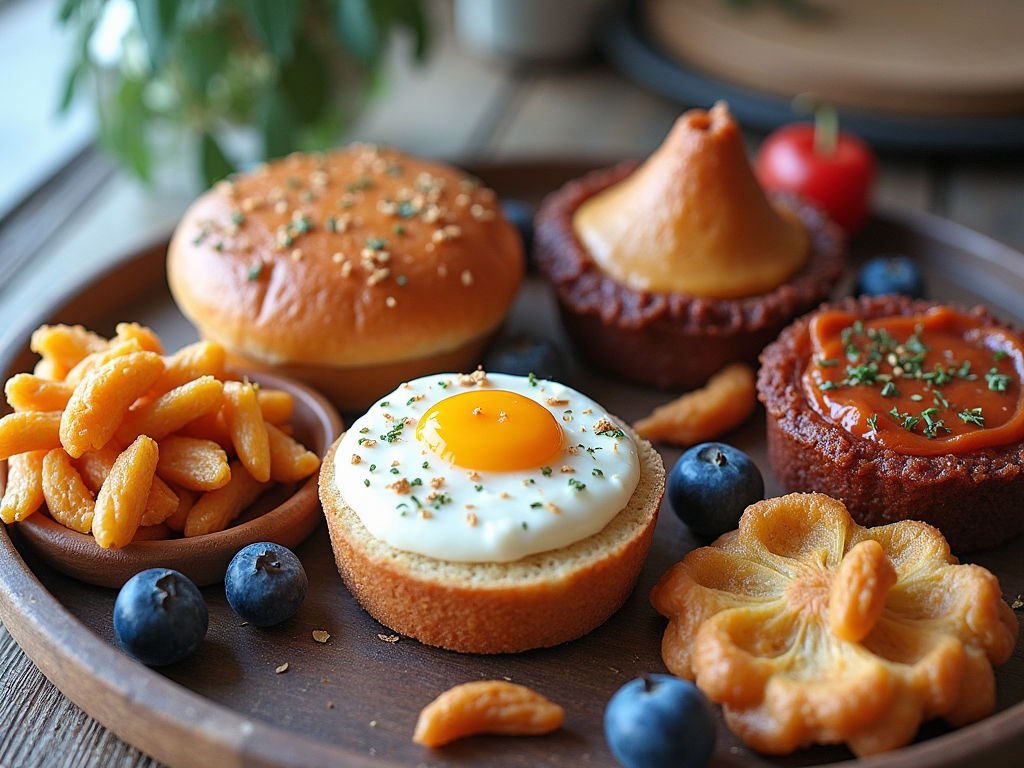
[(160, 616)]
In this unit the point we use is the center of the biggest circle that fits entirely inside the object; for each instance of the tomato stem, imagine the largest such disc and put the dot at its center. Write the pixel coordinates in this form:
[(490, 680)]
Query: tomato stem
[(826, 121)]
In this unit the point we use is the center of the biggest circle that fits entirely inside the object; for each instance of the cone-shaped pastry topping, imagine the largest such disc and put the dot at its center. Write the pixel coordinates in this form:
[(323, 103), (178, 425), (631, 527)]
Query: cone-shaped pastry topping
[(693, 218)]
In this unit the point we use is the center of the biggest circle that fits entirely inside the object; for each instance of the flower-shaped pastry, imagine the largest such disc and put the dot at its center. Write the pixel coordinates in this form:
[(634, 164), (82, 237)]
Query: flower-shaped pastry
[(808, 628)]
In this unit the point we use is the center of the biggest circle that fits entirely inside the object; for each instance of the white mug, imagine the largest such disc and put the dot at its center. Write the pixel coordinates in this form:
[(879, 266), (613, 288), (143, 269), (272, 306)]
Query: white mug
[(528, 30)]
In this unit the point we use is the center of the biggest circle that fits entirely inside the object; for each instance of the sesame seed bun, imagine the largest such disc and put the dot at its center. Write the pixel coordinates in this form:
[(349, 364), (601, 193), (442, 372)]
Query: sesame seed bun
[(536, 602), (355, 270)]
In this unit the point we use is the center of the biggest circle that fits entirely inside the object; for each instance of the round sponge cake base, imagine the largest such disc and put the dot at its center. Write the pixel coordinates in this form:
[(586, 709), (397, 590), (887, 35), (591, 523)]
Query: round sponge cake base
[(536, 602)]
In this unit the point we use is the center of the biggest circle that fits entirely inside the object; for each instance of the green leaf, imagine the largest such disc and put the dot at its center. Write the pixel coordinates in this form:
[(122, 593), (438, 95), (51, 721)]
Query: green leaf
[(123, 124), (305, 82), (275, 23), (132, 128), (80, 62), (157, 21), (215, 163), (200, 53), (70, 85), (324, 133), (67, 8), (357, 28), (409, 13), (278, 126), (363, 26)]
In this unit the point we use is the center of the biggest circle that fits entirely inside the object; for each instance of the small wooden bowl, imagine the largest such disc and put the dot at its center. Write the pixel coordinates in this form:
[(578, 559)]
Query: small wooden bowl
[(285, 515)]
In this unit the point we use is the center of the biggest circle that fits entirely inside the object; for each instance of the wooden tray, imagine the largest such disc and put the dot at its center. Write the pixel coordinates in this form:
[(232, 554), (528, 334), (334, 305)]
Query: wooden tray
[(354, 700)]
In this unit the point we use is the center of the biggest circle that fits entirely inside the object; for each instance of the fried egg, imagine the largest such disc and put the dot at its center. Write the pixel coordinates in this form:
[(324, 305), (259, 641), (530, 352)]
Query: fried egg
[(485, 468)]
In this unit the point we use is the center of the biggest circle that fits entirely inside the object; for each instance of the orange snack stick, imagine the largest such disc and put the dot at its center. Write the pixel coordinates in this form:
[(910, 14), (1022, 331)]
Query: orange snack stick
[(725, 402), (49, 369), (66, 345), (215, 510), (173, 410), (161, 503), (94, 466), (193, 463), (186, 500), (27, 392), (69, 500), (29, 431), (146, 337), (858, 593), (290, 460), (24, 492), (204, 358), (211, 427), (121, 502), (276, 404), (486, 706), (98, 359), (101, 399), (248, 430)]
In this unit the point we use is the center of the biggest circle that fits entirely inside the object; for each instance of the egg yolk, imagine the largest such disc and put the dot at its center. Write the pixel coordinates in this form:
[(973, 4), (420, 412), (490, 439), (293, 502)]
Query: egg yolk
[(491, 430)]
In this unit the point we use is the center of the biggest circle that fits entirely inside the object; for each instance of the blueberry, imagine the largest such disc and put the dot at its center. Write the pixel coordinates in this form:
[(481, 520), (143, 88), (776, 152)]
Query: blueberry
[(890, 273), (265, 584), (521, 216), (522, 356), (711, 485), (160, 617), (660, 721)]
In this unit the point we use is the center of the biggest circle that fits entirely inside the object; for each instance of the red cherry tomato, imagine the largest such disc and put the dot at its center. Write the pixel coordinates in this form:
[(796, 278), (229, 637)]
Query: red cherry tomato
[(840, 182)]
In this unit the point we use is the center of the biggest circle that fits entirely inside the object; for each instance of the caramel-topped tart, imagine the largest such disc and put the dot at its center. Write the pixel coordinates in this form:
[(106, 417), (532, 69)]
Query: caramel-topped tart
[(923, 385), (668, 271)]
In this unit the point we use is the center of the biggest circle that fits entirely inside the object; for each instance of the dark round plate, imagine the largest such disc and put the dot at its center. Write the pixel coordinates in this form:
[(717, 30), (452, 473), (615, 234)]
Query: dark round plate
[(625, 44), (354, 700)]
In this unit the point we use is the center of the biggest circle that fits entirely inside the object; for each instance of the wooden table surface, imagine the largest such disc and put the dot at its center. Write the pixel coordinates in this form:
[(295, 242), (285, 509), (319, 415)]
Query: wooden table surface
[(458, 108)]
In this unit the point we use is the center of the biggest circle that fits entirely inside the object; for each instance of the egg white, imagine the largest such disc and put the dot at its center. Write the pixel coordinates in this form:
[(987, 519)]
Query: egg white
[(452, 513)]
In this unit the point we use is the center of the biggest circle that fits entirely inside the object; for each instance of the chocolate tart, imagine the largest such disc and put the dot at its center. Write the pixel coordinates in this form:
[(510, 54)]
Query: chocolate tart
[(670, 339), (973, 497)]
